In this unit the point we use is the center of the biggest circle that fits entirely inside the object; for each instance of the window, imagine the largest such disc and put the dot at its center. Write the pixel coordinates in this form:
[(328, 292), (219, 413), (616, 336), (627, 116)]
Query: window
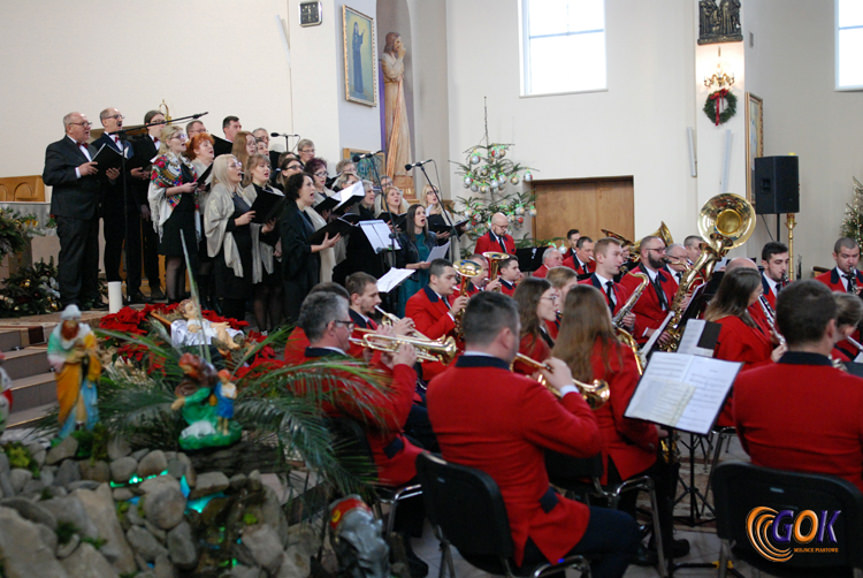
[(849, 44), (563, 46)]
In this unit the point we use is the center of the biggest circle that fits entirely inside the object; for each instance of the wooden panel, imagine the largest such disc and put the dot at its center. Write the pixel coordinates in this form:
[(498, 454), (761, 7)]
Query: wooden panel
[(586, 205), (27, 188)]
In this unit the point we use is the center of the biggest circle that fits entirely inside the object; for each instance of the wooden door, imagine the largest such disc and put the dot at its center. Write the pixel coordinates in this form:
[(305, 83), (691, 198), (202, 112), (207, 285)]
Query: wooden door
[(584, 204)]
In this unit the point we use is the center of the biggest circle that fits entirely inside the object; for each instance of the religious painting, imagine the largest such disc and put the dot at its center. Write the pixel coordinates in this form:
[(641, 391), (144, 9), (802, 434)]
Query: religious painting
[(719, 21), (358, 32), (754, 138), (366, 167)]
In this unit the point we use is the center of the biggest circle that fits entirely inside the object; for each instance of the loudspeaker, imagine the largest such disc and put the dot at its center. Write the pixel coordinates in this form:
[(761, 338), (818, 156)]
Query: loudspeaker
[(776, 185)]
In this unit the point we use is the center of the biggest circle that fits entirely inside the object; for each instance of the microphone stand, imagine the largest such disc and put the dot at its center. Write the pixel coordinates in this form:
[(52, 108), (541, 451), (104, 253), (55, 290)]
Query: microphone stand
[(123, 135), (391, 262)]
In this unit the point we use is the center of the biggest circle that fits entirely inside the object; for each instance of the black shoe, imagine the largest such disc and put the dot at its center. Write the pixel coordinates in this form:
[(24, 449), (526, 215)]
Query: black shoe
[(156, 295), (679, 548), (645, 556), (96, 306), (418, 568), (137, 298)]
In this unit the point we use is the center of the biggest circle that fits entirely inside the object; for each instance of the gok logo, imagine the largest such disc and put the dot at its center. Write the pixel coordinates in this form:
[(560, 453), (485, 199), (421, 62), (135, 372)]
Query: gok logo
[(779, 535)]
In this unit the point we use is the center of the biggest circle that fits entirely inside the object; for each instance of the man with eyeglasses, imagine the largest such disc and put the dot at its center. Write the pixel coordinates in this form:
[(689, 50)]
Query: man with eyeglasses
[(74, 176), (654, 304), (119, 211), (496, 239)]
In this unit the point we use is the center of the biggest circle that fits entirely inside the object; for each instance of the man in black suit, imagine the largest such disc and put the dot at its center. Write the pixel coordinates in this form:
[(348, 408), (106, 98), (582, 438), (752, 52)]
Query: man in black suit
[(146, 147), (230, 126), (120, 213), (70, 170)]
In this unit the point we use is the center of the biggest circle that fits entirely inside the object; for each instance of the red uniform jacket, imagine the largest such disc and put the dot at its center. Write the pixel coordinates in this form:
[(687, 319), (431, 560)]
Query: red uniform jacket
[(489, 418), (430, 313), (394, 455), (552, 328), (295, 348), (541, 272), (832, 279), (768, 292), (739, 342), (579, 268), (649, 313), (630, 443), (621, 293), (486, 243), (534, 347), (782, 425), (507, 288)]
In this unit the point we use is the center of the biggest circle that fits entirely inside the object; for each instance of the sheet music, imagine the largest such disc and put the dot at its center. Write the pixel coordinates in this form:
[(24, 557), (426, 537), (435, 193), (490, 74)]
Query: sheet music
[(438, 252), (355, 190), (690, 343), (648, 347), (378, 234), (393, 278), (682, 391)]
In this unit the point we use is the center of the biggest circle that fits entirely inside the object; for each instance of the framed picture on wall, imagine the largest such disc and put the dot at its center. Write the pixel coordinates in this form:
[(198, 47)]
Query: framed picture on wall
[(364, 166), (754, 139), (358, 33)]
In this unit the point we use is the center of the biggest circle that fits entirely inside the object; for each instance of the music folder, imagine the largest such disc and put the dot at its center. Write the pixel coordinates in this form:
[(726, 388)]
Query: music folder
[(438, 224), (108, 158), (340, 226), (202, 178), (682, 391), (379, 235), (529, 258), (267, 206), (342, 200), (398, 220), (393, 278)]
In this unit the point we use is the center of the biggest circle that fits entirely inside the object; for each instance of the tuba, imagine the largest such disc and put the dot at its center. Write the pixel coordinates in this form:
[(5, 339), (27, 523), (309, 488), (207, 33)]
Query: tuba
[(726, 221), (494, 261)]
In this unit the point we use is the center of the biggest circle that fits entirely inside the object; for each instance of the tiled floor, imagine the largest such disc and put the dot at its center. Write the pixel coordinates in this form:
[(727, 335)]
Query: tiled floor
[(704, 547)]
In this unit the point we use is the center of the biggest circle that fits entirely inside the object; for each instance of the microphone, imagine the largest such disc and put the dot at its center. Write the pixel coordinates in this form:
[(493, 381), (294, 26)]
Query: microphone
[(358, 158), (199, 115), (275, 134), (417, 164)]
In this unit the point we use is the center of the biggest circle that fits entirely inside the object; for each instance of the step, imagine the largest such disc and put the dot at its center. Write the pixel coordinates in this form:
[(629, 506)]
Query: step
[(33, 391), (26, 362), (26, 418), (17, 335), (10, 339)]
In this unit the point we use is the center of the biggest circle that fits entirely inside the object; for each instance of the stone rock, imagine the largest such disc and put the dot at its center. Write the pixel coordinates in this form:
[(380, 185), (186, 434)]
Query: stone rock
[(304, 538), (123, 494), (97, 471), (32, 511), (163, 568), (6, 484), (37, 452), (83, 485), (263, 542), (55, 492), (191, 474), (273, 515), (133, 516), (144, 543), (23, 551), (67, 473), (69, 509), (19, 477), (152, 464), (87, 561), (241, 571), (64, 450), (4, 463), (99, 506), (118, 448), (164, 503), (176, 467), (49, 537), (159, 533), (47, 474), (209, 483), (32, 488), (238, 481), (122, 469), (295, 564), (64, 550), (254, 481), (140, 454), (181, 546)]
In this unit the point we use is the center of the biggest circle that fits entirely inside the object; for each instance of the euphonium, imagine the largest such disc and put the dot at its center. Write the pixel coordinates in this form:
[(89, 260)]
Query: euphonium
[(596, 393), (466, 269), (494, 261), (727, 221), (443, 351), (630, 303)]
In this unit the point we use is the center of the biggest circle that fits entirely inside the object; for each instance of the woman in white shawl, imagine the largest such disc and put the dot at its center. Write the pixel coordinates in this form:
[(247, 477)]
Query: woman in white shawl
[(232, 237)]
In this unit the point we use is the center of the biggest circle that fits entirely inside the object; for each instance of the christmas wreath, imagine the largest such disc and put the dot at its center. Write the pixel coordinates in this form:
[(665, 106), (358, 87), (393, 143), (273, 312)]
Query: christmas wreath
[(713, 106)]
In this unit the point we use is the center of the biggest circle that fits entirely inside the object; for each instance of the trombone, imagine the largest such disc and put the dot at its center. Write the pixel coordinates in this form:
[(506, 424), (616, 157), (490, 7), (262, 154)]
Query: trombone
[(443, 351), (595, 393)]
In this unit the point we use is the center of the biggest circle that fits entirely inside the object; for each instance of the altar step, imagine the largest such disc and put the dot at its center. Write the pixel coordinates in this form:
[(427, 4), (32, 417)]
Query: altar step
[(34, 391)]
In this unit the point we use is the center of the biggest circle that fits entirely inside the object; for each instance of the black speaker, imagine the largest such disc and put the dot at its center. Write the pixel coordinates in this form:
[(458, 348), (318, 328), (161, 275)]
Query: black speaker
[(776, 185)]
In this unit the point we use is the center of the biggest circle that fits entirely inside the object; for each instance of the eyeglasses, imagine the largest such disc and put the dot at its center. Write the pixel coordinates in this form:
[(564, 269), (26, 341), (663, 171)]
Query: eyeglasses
[(307, 151), (349, 325), (294, 168), (235, 165), (321, 174), (85, 124), (116, 116), (180, 136), (552, 298)]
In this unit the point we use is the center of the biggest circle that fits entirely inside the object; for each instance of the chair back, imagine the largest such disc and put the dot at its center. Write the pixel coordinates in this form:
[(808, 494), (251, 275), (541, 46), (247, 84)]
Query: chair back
[(567, 471), (466, 504), (351, 447), (782, 521)]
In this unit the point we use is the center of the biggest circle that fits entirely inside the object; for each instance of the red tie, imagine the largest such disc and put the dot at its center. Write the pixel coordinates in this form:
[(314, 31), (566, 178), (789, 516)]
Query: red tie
[(372, 325), (156, 141)]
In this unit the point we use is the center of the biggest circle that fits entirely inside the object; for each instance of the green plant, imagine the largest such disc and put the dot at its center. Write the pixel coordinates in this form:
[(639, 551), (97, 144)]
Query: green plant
[(95, 542), (65, 531), (249, 519)]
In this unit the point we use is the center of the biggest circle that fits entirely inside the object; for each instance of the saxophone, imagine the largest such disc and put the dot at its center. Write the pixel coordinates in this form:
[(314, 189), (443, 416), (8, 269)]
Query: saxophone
[(630, 303)]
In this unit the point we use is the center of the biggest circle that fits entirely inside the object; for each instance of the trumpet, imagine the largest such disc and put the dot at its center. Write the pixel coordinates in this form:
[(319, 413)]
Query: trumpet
[(443, 351), (596, 393), (390, 319)]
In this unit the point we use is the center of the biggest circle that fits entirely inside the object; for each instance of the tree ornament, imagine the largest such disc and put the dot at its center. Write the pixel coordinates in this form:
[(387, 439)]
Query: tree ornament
[(528, 177), (532, 211), (521, 220), (483, 189), (474, 188), (468, 180), (720, 106), (474, 159), (519, 210)]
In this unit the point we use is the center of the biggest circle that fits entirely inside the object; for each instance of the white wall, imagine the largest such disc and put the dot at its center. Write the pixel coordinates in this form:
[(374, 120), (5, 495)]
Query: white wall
[(220, 56)]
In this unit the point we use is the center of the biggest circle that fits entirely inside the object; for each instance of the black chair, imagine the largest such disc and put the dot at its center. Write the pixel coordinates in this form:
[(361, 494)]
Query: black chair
[(355, 454), (739, 487), (466, 510), (581, 477)]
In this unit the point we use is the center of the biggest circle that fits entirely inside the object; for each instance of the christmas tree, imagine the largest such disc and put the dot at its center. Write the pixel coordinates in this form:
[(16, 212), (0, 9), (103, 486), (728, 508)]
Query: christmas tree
[(852, 224)]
